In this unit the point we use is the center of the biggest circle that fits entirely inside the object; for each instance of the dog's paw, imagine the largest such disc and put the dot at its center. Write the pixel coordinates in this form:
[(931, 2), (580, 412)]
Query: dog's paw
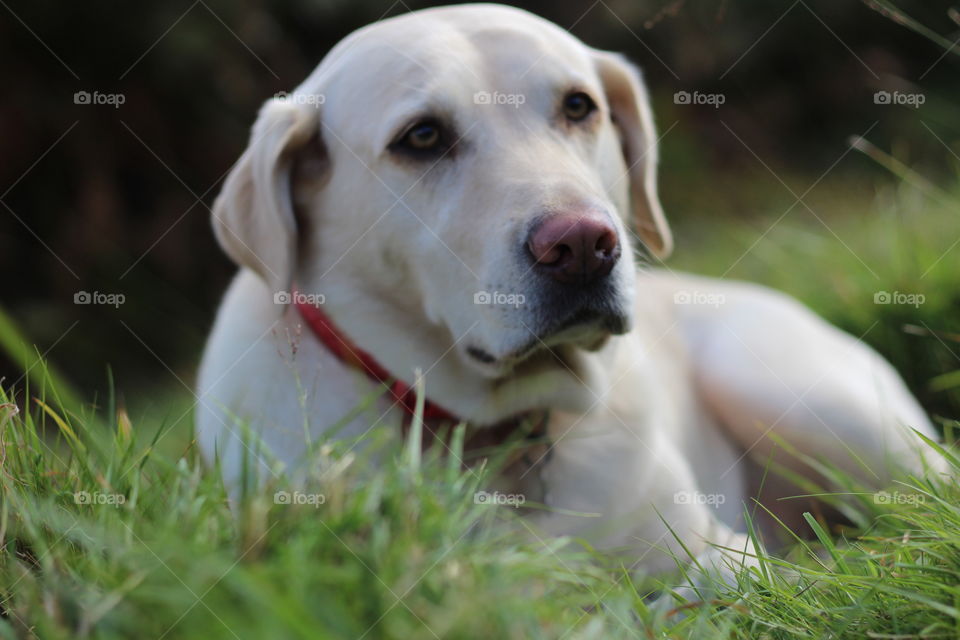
[(714, 581)]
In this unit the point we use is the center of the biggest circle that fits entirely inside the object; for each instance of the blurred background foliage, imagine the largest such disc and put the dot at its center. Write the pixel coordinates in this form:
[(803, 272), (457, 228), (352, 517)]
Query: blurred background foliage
[(97, 198)]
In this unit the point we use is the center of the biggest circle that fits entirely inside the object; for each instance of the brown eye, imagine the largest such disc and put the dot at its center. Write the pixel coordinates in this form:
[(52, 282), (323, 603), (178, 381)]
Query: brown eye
[(577, 106), (423, 136)]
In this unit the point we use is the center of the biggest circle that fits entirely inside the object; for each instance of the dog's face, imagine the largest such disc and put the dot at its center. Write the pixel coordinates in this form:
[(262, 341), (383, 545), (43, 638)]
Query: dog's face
[(476, 165)]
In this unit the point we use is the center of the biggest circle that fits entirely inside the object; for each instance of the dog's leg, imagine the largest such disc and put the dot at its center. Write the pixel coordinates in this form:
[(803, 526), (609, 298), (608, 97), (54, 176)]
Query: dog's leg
[(635, 494), (775, 373)]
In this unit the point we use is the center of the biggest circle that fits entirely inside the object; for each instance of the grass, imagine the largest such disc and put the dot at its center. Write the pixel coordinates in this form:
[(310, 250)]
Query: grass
[(105, 536), (384, 556)]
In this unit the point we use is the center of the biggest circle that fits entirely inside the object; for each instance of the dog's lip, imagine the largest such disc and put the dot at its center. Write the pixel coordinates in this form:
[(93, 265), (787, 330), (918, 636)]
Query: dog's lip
[(527, 360), (585, 328), (587, 319), (481, 355)]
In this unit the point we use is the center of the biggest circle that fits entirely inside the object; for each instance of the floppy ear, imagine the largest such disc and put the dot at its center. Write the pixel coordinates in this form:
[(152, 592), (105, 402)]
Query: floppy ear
[(253, 217), (633, 118)]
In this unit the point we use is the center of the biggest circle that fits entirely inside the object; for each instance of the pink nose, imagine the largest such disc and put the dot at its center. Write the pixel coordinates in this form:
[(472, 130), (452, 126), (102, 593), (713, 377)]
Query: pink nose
[(577, 246)]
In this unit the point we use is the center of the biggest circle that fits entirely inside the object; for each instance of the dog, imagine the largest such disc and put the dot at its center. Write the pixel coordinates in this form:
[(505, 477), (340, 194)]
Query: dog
[(448, 202)]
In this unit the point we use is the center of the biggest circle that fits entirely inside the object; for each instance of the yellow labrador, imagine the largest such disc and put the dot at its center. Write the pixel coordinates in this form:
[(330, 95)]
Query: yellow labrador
[(453, 191)]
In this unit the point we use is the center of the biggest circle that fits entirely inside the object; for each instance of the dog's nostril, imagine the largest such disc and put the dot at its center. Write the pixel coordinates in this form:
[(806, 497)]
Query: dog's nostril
[(547, 254), (607, 244)]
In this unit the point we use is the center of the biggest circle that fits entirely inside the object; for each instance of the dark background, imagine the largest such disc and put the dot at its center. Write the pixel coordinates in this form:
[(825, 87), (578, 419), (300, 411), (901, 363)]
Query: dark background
[(115, 200)]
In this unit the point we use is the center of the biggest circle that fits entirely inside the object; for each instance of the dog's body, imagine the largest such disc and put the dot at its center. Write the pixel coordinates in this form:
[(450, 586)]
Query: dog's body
[(666, 392)]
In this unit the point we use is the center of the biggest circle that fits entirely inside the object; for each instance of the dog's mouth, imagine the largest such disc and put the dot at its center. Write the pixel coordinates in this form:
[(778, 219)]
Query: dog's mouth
[(585, 329)]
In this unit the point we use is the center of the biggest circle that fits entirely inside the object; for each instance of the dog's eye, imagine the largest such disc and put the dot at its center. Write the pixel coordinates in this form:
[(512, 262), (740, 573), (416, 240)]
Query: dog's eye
[(578, 105), (423, 137)]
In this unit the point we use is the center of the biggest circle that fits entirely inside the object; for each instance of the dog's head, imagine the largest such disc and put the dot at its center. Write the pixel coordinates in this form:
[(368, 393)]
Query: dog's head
[(477, 166)]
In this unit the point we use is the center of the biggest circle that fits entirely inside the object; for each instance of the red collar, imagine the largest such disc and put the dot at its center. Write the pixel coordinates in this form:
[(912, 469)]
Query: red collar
[(347, 352)]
